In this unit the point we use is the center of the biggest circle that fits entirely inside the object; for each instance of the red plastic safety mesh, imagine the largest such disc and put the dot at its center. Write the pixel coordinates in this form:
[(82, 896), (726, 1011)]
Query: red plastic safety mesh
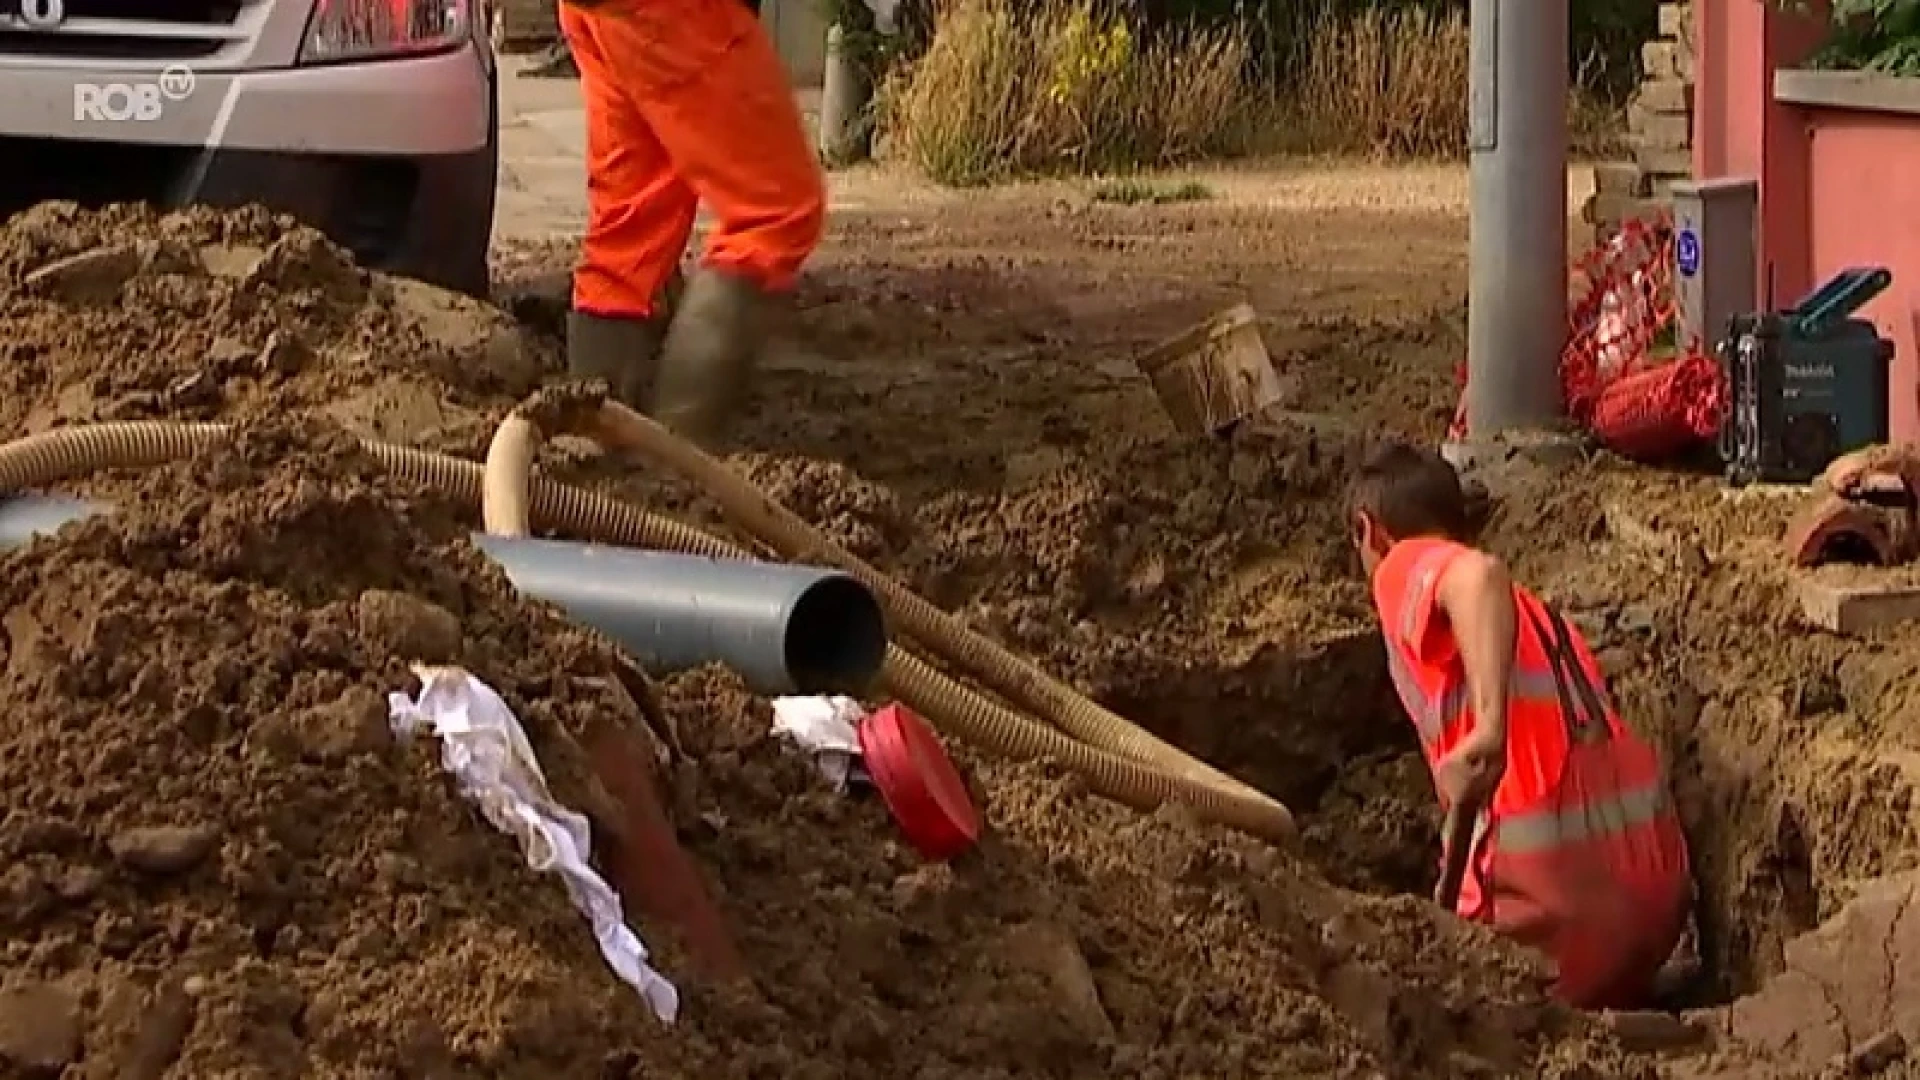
[(1620, 302), (1658, 412)]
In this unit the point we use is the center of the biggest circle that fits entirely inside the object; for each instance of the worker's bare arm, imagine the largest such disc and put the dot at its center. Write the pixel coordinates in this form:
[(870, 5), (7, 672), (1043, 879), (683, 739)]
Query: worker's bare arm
[(1476, 593)]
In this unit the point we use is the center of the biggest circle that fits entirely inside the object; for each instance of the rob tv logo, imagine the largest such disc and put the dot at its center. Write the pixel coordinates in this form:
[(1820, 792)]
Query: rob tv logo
[(131, 102)]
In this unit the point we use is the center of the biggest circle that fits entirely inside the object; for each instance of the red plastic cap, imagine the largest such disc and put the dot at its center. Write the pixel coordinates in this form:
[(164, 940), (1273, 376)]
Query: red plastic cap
[(918, 782)]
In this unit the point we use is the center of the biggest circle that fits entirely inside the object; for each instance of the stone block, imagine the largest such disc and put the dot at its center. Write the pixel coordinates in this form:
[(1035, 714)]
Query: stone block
[(1663, 185), (1619, 178), (1602, 209), (1659, 59), (1664, 96), (1676, 21), (1664, 161), (1856, 608), (1661, 131)]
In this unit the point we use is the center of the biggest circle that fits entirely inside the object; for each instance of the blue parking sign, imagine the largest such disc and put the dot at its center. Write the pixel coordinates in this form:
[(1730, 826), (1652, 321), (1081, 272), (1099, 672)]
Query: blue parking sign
[(1686, 252)]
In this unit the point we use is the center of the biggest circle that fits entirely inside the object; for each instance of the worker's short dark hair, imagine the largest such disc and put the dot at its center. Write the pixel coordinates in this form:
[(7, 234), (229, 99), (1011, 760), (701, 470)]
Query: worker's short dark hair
[(1410, 491)]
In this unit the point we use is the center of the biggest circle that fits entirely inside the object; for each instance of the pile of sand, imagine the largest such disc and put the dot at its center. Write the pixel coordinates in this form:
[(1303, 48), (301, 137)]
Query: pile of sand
[(219, 858), (124, 314), (1082, 939), (217, 855)]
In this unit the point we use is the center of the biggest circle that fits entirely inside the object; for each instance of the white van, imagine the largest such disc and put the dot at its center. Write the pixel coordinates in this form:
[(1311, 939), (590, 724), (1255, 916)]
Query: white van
[(376, 121)]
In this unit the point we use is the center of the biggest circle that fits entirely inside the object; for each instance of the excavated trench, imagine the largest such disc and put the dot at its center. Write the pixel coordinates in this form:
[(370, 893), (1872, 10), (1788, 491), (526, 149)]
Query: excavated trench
[(1780, 839), (1320, 729), (1289, 723), (1198, 590), (1143, 575), (1785, 830)]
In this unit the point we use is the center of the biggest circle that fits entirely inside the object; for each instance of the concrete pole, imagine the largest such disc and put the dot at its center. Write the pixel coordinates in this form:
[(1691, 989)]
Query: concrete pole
[(1517, 291), (846, 136)]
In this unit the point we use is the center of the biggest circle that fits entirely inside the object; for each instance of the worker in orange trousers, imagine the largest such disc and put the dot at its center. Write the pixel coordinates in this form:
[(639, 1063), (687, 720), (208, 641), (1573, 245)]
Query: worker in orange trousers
[(686, 102), (1576, 848)]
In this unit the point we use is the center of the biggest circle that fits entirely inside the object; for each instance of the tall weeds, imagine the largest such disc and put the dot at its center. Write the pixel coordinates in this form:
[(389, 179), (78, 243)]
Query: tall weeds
[(1015, 87), (1381, 81), (1064, 85)]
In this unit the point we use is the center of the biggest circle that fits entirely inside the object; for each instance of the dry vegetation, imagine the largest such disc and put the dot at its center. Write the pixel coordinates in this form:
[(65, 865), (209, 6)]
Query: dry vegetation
[(1388, 82), (1069, 86), (1008, 88)]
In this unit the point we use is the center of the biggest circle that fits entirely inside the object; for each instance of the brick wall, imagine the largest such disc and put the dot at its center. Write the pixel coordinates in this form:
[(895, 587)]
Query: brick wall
[(1659, 125)]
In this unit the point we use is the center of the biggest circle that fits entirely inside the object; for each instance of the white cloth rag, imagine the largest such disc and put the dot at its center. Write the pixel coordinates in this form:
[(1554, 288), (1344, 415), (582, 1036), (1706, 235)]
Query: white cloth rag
[(827, 728), (486, 750)]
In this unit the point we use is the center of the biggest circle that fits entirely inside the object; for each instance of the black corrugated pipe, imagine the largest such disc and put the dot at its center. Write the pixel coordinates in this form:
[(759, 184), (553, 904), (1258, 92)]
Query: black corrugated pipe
[(784, 629)]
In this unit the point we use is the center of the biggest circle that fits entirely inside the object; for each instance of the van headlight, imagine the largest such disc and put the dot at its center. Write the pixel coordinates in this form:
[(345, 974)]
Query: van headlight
[(366, 29)]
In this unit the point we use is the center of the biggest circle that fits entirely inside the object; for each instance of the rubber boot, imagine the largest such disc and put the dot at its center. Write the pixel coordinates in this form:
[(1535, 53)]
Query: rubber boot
[(621, 351), (712, 348)]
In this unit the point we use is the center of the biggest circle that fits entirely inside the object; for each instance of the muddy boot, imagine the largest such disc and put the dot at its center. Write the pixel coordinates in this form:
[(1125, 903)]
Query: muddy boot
[(622, 352), (711, 350)]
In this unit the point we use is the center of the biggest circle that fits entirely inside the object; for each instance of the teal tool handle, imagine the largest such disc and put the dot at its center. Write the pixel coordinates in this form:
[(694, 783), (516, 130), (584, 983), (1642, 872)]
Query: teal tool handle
[(1842, 295)]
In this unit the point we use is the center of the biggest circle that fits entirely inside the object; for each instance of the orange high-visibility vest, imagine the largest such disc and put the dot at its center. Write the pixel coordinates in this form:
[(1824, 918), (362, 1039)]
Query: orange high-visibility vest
[(1580, 853)]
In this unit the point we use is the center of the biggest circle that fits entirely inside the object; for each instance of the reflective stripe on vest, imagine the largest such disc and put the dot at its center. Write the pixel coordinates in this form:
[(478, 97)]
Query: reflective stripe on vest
[(1528, 685), (1549, 680), (1420, 582), (1535, 831), (1432, 713)]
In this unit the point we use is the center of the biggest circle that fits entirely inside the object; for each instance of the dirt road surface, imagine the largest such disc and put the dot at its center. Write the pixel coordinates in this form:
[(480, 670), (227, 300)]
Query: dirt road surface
[(953, 397)]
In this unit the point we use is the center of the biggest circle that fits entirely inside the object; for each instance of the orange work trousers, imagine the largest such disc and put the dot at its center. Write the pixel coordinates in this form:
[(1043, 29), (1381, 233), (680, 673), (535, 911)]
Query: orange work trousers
[(686, 102)]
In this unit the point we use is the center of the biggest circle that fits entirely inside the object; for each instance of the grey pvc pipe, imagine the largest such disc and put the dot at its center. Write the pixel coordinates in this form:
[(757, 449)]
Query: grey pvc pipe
[(23, 517), (784, 629)]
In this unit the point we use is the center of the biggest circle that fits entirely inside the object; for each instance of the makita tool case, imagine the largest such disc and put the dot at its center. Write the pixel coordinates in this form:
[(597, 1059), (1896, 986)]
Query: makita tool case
[(1805, 385)]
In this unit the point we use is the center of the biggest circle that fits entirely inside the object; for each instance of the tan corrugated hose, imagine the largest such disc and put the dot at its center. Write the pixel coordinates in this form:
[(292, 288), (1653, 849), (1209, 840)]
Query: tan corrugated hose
[(1116, 758)]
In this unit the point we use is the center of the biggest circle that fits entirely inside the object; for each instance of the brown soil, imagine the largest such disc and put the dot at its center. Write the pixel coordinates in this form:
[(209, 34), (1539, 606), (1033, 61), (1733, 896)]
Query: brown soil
[(218, 859), (117, 315), (972, 421), (1790, 750), (1080, 940)]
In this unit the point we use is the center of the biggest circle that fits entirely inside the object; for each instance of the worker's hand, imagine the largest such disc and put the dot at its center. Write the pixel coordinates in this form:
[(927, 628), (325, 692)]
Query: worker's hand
[(1470, 773)]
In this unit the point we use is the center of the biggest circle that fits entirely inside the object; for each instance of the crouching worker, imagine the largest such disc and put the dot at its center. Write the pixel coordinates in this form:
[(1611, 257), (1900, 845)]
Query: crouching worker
[(686, 102), (1576, 851)]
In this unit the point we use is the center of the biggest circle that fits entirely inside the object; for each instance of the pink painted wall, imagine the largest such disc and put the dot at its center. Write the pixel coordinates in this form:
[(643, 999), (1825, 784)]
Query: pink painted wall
[(1730, 84), (1740, 131), (1838, 187), (1863, 198)]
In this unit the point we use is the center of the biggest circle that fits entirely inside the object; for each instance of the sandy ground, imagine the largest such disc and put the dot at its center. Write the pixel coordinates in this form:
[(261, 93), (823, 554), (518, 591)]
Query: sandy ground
[(952, 395), (953, 347)]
